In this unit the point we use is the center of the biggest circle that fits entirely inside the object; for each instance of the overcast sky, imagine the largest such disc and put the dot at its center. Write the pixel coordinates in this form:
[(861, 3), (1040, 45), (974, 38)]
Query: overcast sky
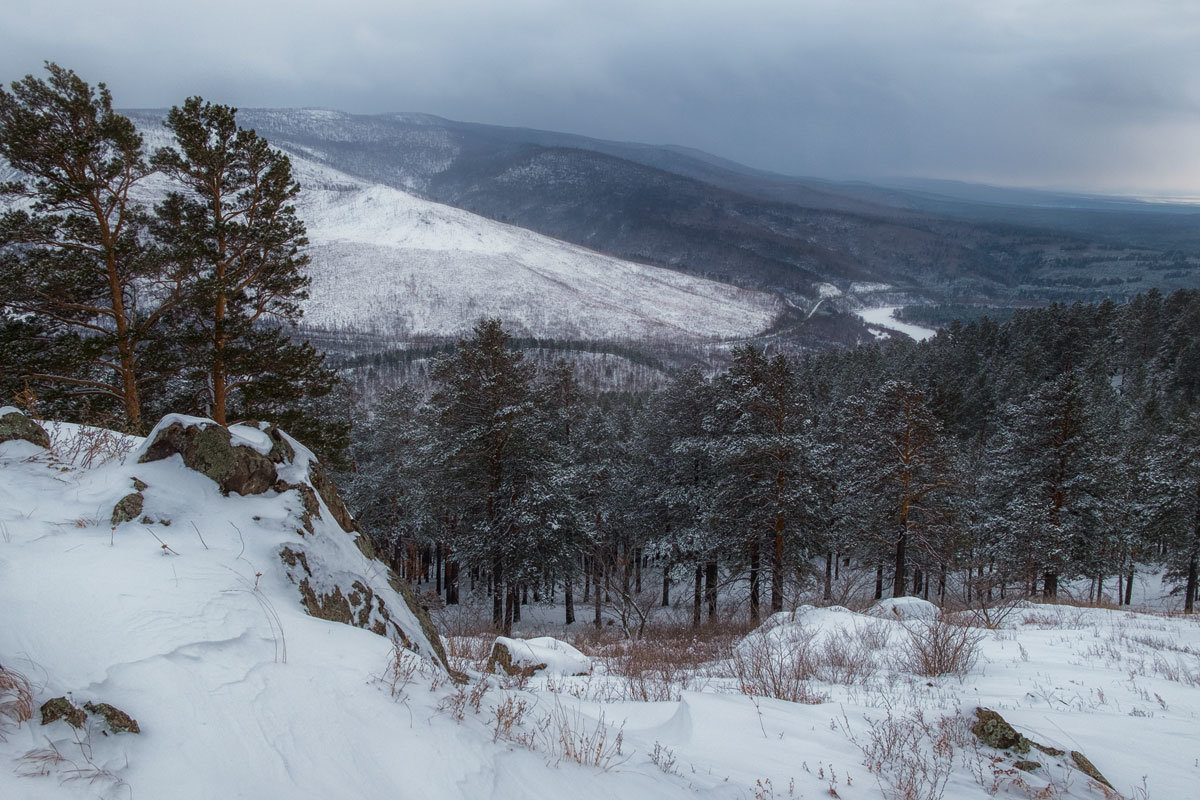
[(1099, 95)]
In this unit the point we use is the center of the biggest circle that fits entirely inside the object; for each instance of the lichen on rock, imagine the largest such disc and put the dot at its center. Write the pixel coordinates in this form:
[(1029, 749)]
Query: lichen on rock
[(1088, 768), (127, 508), (58, 708), (209, 450), (116, 719), (252, 458), (15, 425), (992, 729), (502, 657)]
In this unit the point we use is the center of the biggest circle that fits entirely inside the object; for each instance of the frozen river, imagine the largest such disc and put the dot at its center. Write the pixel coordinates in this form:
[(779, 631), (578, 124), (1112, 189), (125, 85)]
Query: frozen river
[(882, 318)]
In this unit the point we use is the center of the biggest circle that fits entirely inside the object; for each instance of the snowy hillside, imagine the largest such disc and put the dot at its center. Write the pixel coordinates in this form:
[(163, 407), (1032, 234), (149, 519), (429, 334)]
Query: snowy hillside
[(182, 619), (387, 262), (391, 263)]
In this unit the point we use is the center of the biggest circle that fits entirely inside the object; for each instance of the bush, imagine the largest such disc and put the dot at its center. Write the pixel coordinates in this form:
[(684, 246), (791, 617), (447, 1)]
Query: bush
[(938, 647), (767, 665)]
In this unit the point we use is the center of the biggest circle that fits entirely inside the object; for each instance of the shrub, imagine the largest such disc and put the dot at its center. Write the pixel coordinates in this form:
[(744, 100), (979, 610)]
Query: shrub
[(910, 757), (938, 647), (767, 665)]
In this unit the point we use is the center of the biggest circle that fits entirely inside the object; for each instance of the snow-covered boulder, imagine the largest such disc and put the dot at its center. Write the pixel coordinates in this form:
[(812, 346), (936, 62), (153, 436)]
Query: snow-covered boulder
[(15, 425), (906, 608), (527, 656), (324, 558)]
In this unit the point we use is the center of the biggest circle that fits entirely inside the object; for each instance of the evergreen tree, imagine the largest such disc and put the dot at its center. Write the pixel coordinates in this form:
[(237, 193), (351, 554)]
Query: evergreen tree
[(688, 480), (899, 473), (1046, 479), (1175, 486), (233, 230), (80, 286), (764, 495), (494, 458)]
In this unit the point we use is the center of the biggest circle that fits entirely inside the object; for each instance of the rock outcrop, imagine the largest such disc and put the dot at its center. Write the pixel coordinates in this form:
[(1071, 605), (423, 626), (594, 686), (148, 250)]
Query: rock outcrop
[(256, 458), (994, 731), (208, 448), (116, 720), (15, 425)]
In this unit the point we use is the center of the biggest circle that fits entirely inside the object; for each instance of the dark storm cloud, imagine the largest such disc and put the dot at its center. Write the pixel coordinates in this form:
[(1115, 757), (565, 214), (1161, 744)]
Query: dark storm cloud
[(1080, 93)]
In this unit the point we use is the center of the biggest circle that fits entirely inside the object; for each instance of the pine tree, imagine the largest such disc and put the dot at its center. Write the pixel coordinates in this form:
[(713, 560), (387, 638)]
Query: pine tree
[(494, 458), (233, 230), (765, 491), (1047, 479), (77, 275), (1175, 485), (899, 474), (687, 480)]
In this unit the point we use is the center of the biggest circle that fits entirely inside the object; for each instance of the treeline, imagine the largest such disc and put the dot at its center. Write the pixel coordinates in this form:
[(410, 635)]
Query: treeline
[(114, 312), (993, 459)]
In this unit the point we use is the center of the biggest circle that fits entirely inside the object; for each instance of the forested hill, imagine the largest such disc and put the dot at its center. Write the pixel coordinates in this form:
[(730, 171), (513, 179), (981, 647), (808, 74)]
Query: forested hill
[(694, 212), (1060, 448)]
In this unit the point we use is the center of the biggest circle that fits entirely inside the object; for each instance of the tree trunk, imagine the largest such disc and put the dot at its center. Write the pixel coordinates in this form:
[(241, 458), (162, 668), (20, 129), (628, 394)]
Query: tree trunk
[(637, 570), (451, 582), (1050, 584), (754, 568), (710, 589), (568, 598), (777, 568), (597, 578), (827, 596), (696, 597), (1129, 587), (497, 595), (505, 592), (666, 596), (437, 567), (879, 581), (898, 579)]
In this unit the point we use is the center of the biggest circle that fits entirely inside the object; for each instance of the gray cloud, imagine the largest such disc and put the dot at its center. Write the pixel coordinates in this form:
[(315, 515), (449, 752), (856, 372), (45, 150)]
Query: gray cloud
[(1094, 94)]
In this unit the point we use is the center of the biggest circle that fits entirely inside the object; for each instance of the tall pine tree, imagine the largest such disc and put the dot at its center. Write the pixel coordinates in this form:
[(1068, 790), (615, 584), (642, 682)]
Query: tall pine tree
[(81, 290), (232, 227)]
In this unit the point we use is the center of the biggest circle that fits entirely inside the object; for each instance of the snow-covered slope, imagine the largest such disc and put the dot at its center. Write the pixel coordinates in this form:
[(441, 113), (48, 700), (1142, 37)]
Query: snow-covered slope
[(238, 693), (389, 262)]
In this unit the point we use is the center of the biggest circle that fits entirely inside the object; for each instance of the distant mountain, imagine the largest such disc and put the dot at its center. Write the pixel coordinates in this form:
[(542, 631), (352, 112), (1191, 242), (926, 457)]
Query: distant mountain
[(690, 211), (395, 267)]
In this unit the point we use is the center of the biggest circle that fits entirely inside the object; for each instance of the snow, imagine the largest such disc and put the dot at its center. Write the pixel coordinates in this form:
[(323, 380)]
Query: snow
[(558, 657), (239, 693), (906, 608), (386, 261), (884, 317)]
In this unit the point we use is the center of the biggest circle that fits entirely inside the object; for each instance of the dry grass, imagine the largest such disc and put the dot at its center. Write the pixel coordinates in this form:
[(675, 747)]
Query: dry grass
[(51, 760), (570, 736), (16, 700), (87, 447)]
